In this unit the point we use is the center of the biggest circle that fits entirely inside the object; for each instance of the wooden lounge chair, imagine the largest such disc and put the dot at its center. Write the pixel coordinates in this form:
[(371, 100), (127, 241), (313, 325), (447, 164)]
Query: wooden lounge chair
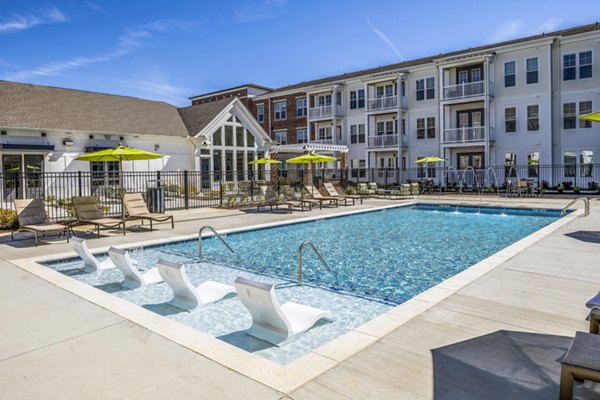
[(271, 322), (582, 362), (334, 193), (32, 217), (137, 210), (318, 196), (272, 200), (289, 195), (88, 212)]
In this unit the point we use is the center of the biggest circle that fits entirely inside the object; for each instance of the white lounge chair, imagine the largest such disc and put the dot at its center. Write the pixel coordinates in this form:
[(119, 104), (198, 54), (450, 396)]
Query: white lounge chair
[(186, 295), (276, 324), (133, 278), (92, 264)]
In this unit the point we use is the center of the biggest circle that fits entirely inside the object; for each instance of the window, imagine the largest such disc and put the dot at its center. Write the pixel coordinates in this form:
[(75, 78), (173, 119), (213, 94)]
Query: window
[(586, 159), (425, 89), (403, 126), (569, 161), (510, 74), (431, 128), (385, 128), (324, 133), (357, 133), (585, 107), (301, 107), (533, 164), (585, 64), (420, 128), (569, 67), (569, 116), (510, 165), (533, 118), (228, 135), (281, 137), (280, 110), (357, 99), (324, 100), (301, 136), (102, 172), (217, 138), (260, 113), (403, 88), (510, 119), (239, 136), (532, 70), (384, 91)]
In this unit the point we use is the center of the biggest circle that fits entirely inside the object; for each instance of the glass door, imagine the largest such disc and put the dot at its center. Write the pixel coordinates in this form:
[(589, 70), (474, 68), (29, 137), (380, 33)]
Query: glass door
[(11, 183), (34, 185)]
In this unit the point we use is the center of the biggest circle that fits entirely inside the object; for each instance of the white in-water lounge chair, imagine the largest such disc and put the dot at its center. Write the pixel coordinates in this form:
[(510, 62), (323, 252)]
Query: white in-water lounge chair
[(92, 264), (271, 322), (185, 295), (133, 278)]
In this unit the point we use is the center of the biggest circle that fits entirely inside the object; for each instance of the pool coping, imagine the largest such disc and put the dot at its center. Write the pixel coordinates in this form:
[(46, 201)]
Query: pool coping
[(288, 377)]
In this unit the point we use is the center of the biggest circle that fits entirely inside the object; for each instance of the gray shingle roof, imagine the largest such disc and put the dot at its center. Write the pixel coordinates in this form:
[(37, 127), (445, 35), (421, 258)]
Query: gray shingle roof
[(197, 117), (45, 107)]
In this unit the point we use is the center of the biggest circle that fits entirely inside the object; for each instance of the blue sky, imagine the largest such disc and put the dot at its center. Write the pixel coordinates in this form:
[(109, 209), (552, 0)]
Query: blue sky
[(171, 50)]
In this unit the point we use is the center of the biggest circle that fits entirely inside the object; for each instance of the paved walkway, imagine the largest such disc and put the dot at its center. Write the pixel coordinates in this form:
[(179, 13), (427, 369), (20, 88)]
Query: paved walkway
[(56, 345)]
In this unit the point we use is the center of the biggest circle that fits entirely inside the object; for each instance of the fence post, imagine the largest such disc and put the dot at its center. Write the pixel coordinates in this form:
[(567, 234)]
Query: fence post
[(157, 178), (186, 197), (79, 183), (221, 190)]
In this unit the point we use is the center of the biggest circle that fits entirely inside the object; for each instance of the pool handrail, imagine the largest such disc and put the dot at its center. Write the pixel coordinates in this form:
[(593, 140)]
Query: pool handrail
[(316, 251), (217, 235), (586, 202)]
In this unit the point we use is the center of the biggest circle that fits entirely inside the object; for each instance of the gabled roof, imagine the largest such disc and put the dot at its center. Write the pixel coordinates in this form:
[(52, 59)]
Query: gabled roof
[(45, 107), (420, 61), (201, 120)]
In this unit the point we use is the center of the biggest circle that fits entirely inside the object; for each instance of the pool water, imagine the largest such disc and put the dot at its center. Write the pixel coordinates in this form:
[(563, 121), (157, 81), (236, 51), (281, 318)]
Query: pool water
[(376, 259)]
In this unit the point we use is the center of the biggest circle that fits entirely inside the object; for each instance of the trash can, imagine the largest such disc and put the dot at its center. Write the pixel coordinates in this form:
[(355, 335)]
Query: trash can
[(155, 196)]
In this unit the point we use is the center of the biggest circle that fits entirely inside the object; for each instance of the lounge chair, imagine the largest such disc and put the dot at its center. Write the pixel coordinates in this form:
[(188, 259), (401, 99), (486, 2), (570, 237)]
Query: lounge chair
[(91, 263), (414, 189), (364, 190), (289, 195), (272, 200), (581, 362), (185, 295), (271, 322), (137, 210), (133, 278), (88, 212), (334, 193), (318, 196), (32, 217), (401, 191)]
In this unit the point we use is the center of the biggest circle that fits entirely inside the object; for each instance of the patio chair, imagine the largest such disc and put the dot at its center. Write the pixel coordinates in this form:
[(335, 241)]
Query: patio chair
[(91, 263), (364, 190), (372, 187), (414, 188), (401, 191), (331, 191), (88, 212), (272, 200), (581, 362), (271, 322), (312, 191), (32, 217), (133, 278), (185, 295), (289, 195), (137, 210)]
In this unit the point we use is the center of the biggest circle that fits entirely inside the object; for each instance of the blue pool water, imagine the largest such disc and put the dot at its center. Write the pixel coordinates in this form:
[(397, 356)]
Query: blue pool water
[(378, 258)]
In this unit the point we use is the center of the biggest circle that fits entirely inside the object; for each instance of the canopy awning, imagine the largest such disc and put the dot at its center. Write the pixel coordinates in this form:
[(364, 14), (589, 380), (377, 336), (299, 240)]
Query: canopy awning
[(307, 147)]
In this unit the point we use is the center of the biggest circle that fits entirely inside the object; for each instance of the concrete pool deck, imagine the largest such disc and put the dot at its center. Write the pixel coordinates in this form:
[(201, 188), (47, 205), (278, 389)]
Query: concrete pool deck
[(55, 342)]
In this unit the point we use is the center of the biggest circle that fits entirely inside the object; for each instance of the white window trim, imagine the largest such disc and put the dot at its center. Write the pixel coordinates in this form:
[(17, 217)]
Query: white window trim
[(537, 70), (263, 113), (539, 118), (516, 118), (275, 112), (515, 73)]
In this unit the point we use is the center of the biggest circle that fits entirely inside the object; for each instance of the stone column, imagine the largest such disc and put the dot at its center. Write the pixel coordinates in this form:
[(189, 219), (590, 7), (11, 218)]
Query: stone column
[(307, 174), (274, 172), (343, 168)]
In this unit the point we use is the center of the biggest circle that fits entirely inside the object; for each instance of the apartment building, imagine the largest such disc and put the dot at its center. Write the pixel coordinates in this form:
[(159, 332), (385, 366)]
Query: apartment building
[(510, 103)]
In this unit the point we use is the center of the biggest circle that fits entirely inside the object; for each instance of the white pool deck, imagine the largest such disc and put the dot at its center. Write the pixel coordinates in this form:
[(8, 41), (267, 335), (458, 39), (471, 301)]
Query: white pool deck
[(58, 340)]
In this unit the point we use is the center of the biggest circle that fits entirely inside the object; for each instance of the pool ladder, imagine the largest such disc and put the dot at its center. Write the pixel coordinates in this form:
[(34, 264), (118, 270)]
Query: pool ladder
[(586, 202), (217, 235), (316, 251)]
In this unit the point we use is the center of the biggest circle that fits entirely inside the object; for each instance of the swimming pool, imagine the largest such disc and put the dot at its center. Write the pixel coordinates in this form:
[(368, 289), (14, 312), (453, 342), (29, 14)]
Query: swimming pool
[(379, 259)]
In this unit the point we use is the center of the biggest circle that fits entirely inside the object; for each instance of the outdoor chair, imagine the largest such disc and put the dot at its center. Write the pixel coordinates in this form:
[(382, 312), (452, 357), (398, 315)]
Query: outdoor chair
[(332, 192), (185, 295), (132, 277), (289, 195), (91, 263), (271, 322), (315, 194), (88, 212), (32, 217), (364, 190), (414, 188), (272, 200), (581, 362), (402, 191), (138, 210)]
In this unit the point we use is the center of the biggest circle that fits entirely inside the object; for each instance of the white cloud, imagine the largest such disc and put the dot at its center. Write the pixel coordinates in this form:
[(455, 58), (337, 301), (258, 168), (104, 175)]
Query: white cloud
[(518, 28), (95, 7), (19, 22), (386, 39), (259, 10), (126, 44)]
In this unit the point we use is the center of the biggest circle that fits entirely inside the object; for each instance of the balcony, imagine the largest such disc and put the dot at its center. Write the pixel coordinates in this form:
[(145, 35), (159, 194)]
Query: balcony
[(464, 135), (382, 103), (383, 141), (466, 90), (323, 141), (324, 112)]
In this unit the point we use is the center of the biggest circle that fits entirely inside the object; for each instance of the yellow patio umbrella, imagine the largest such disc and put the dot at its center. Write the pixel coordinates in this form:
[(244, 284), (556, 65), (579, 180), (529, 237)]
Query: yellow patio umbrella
[(265, 161), (311, 158), (594, 117), (429, 159)]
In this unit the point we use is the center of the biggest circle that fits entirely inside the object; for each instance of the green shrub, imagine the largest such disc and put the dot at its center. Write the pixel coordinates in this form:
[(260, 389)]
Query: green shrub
[(576, 189), (560, 188), (8, 219)]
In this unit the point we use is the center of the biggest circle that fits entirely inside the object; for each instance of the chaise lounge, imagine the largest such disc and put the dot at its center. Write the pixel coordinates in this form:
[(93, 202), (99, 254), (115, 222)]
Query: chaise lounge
[(133, 278), (271, 322), (137, 210), (88, 212), (32, 217), (318, 196), (331, 191), (91, 263)]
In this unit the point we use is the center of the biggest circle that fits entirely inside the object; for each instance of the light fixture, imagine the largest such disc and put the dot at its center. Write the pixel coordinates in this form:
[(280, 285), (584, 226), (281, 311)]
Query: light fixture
[(156, 147), (43, 134), (68, 142)]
